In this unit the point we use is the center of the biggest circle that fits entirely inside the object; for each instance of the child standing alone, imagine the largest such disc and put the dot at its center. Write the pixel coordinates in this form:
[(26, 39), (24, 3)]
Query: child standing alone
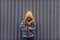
[(28, 26)]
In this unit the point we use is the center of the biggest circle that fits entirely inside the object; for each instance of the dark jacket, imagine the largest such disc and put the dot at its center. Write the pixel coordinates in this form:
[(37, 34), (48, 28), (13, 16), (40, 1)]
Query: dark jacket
[(30, 33)]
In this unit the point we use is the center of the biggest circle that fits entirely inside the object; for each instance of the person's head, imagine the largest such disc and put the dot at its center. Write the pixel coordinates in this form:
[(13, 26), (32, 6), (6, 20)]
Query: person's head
[(29, 16)]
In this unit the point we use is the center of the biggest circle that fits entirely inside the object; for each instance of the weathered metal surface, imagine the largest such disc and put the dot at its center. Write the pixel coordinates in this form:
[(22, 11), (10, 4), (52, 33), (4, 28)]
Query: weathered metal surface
[(46, 13)]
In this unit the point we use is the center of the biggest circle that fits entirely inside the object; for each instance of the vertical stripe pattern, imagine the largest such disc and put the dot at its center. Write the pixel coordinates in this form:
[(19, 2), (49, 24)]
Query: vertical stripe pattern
[(45, 12)]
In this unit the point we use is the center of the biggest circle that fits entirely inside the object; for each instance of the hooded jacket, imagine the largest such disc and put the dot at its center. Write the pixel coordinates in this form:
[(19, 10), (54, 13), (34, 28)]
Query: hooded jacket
[(29, 14), (32, 24)]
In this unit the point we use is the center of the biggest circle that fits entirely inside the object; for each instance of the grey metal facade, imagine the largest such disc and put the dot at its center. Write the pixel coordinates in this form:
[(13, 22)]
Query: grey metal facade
[(46, 13)]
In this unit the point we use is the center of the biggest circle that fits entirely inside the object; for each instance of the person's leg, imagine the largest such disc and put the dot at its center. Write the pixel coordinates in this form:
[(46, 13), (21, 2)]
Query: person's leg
[(24, 38), (32, 38)]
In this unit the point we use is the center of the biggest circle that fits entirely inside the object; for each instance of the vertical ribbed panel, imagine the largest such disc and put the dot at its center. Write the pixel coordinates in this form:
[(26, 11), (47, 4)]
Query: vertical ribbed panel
[(46, 13)]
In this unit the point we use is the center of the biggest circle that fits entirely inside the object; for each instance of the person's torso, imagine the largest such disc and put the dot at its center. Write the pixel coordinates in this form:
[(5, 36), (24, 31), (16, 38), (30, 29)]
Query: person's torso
[(28, 33)]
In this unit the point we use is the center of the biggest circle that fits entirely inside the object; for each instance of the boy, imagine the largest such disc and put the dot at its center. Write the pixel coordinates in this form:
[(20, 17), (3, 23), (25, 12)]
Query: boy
[(28, 26)]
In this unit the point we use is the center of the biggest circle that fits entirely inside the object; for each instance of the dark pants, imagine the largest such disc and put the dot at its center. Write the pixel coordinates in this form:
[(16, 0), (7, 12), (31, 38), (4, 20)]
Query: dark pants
[(24, 38)]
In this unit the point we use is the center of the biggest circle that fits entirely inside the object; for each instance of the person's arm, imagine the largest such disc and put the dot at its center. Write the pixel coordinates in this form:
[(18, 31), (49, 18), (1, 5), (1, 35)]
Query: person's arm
[(32, 28), (21, 29), (22, 25)]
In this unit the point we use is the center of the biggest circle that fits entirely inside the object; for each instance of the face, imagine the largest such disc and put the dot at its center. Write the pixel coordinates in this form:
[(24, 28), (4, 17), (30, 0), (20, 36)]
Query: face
[(29, 19)]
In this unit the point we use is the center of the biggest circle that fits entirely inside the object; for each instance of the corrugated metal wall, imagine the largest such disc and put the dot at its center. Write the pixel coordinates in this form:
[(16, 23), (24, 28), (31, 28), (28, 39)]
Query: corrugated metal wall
[(46, 13)]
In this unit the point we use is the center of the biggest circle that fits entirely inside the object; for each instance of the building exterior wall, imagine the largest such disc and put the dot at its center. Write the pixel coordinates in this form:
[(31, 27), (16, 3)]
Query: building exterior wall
[(46, 13)]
